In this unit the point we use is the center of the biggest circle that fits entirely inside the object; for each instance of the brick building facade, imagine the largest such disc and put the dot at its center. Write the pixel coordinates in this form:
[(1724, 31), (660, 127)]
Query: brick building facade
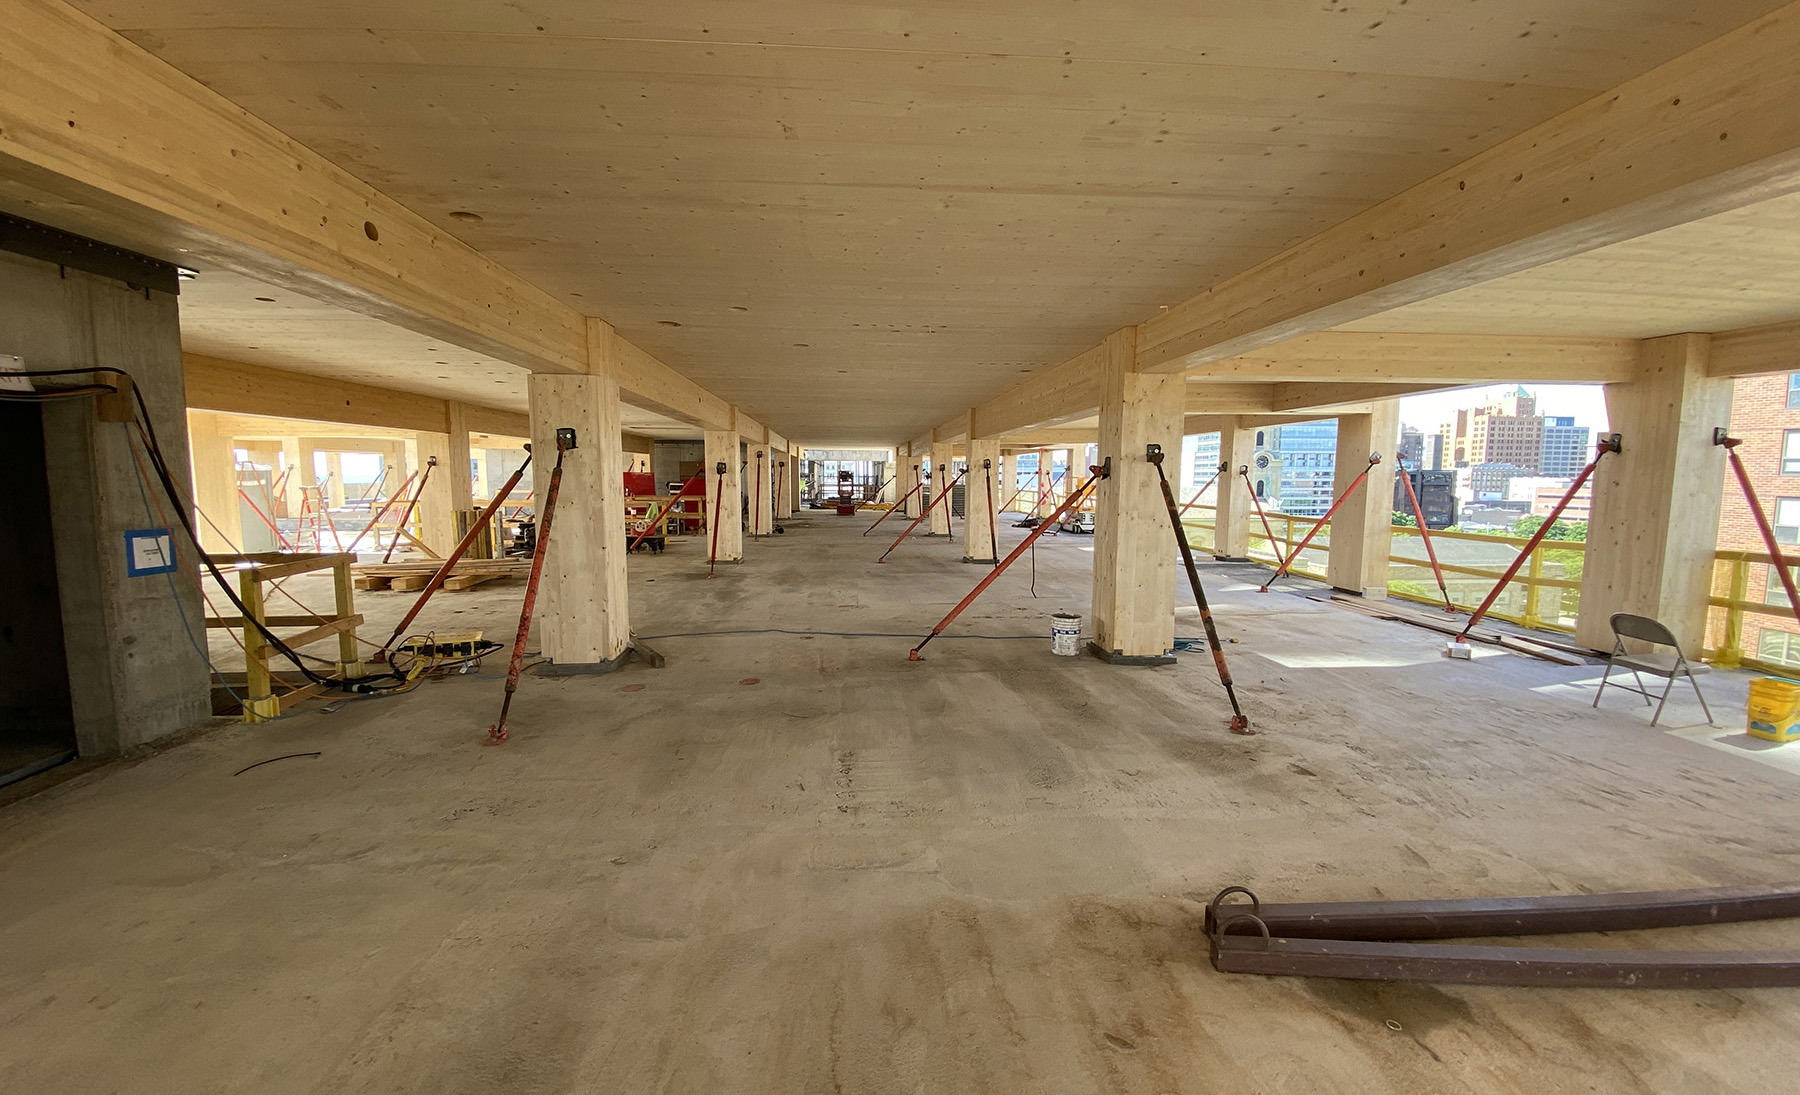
[(1765, 412)]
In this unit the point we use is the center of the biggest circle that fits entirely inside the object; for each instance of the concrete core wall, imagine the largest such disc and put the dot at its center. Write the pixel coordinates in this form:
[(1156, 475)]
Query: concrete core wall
[(134, 674)]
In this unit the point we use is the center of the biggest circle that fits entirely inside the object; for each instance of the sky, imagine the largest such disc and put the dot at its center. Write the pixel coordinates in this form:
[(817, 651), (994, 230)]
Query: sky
[(1582, 401)]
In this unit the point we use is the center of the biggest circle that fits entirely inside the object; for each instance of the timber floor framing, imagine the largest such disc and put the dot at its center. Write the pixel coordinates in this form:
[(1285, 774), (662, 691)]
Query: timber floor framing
[(795, 863)]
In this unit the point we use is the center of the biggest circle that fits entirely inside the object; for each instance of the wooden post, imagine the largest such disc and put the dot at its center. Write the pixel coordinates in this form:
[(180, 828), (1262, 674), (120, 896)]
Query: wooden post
[(582, 614), (1730, 654), (980, 501), (908, 479), (291, 477), (1655, 518), (334, 480), (259, 695), (722, 448), (1236, 512), (1133, 616), (941, 452), (350, 664), (1362, 530)]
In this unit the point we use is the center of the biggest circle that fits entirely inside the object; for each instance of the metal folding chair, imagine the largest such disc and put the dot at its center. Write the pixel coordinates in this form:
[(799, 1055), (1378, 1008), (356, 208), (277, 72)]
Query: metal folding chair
[(1667, 666)]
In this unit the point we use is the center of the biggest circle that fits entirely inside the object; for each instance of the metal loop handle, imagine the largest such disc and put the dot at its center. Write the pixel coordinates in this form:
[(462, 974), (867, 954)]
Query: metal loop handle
[(1225, 926), (1219, 898)]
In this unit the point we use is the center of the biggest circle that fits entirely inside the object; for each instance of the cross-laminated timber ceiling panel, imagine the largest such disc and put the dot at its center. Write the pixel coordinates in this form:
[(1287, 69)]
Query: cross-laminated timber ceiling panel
[(865, 219)]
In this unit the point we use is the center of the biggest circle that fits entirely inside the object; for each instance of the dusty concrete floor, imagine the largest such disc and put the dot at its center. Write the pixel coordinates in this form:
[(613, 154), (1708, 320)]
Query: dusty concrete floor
[(793, 864)]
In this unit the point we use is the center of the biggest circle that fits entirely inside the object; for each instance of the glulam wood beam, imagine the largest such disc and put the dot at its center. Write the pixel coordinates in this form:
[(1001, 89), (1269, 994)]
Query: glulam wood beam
[(1712, 130)]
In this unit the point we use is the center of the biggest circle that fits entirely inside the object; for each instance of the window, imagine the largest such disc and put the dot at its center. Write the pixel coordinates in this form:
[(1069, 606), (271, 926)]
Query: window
[(1793, 390), (1787, 520), (1774, 592), (1781, 647), (1790, 452)]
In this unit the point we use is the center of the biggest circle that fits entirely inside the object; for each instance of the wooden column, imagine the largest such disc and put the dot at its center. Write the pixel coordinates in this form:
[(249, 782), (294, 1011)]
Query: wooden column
[(461, 479), (582, 619), (941, 453), (722, 448), (1655, 517), (290, 489), (981, 487), (1236, 513), (1133, 615), (1007, 478), (762, 488), (334, 481), (215, 484), (436, 511), (782, 477), (1362, 530), (909, 478), (1040, 486)]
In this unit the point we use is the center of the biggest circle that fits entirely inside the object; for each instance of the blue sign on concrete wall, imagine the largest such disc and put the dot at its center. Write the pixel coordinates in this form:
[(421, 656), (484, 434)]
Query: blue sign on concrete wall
[(149, 551)]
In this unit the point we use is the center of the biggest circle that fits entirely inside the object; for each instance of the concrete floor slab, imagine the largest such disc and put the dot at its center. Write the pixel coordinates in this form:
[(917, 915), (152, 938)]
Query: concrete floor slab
[(980, 872)]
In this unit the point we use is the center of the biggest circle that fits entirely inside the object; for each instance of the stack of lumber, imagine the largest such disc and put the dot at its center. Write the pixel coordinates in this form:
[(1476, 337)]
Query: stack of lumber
[(407, 577)]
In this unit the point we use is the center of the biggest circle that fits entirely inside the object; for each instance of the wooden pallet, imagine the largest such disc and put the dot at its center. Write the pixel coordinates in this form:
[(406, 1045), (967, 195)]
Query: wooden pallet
[(410, 577)]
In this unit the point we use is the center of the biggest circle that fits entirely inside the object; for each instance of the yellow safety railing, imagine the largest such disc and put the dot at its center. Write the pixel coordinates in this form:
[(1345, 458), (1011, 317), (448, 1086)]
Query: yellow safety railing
[(1738, 577), (1546, 593)]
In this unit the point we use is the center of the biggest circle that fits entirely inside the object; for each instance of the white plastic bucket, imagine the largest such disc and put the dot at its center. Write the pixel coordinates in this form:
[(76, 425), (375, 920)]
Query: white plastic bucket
[(1065, 634)]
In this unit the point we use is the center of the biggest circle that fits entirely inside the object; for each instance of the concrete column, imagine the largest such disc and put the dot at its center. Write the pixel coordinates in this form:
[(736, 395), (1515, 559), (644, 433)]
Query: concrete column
[(761, 494), (583, 619), (941, 454), (724, 506), (1133, 614), (122, 669), (1654, 524), (1236, 513), (1362, 530), (435, 514), (982, 484), (218, 516)]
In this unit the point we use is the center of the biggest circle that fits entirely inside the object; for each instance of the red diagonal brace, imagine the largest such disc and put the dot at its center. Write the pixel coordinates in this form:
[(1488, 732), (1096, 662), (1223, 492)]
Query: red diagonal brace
[(1374, 459), (935, 500)]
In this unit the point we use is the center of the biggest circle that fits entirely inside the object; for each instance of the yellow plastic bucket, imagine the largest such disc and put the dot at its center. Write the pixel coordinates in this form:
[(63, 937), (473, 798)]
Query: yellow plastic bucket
[(1774, 709)]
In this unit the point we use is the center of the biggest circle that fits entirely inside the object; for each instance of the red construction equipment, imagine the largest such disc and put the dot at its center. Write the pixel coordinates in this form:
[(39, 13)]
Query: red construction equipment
[(653, 523), (901, 504), (315, 516), (1424, 532), (756, 503), (1374, 459), (1099, 472), (1240, 722), (1196, 498), (712, 557), (565, 440), (937, 498), (380, 513), (1255, 500), (1730, 445), (1609, 443), (449, 564), (411, 504)]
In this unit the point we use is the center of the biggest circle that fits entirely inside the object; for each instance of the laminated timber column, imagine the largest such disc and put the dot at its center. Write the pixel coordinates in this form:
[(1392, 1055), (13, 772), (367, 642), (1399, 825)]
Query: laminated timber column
[(980, 501), (783, 477), (583, 620), (1134, 554), (290, 469), (762, 487), (722, 448), (220, 522), (941, 453), (436, 513), (1654, 523), (1362, 530), (907, 480), (1233, 516), (1008, 477)]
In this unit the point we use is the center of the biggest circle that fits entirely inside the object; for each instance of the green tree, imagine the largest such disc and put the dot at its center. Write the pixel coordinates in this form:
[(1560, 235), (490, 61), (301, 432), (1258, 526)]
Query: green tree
[(1405, 520)]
